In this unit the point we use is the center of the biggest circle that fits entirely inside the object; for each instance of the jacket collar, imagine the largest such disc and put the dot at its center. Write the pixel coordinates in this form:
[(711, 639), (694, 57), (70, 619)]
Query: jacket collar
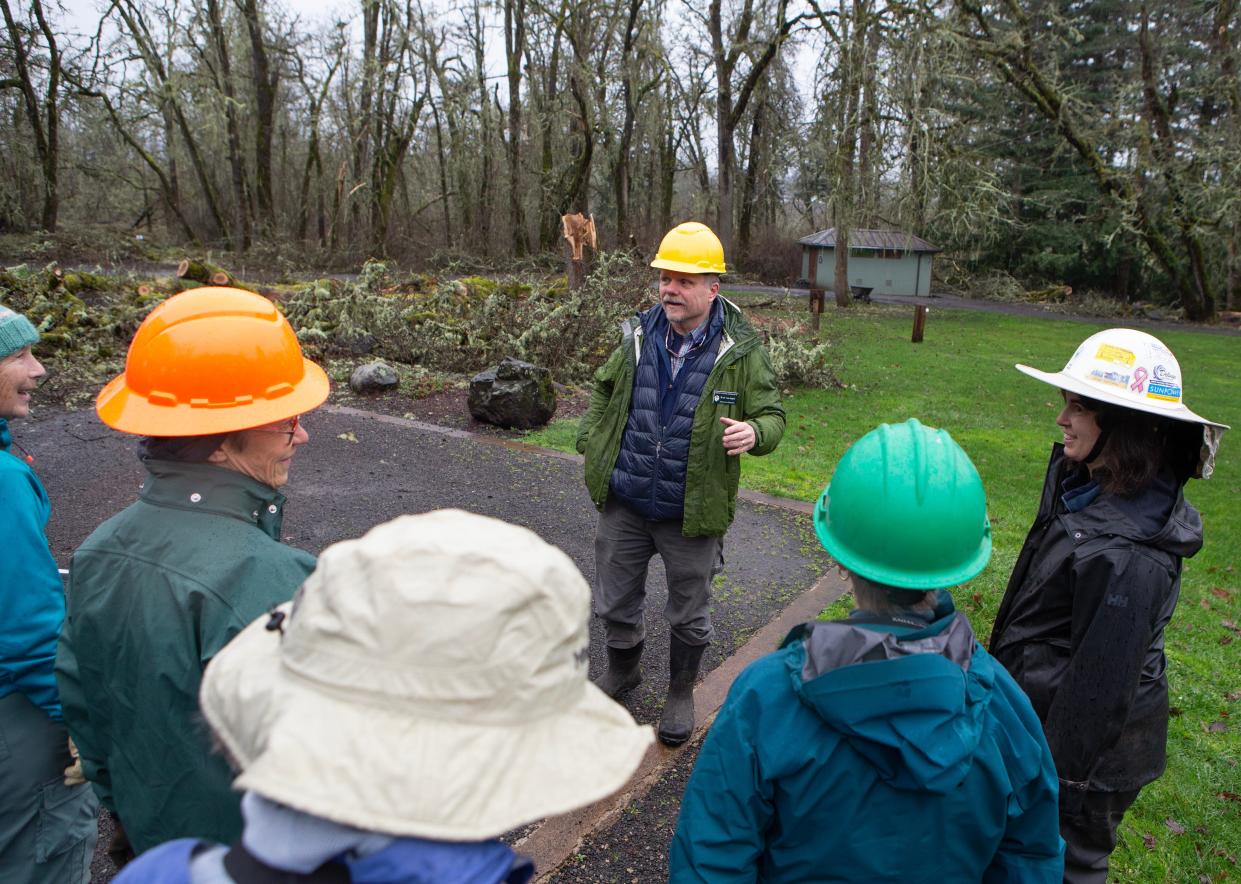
[(737, 332), (1180, 533), (201, 487), (835, 644)]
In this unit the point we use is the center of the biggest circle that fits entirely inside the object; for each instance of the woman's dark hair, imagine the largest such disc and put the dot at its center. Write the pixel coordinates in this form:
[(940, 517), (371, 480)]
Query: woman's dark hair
[(1139, 445)]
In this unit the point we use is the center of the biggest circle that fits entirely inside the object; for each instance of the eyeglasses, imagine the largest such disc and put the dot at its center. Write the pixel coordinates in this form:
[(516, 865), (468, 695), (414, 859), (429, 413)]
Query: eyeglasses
[(288, 427)]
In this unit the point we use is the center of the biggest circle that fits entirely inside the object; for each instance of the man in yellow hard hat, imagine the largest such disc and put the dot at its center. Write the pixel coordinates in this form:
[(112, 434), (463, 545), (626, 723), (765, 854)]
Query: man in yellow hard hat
[(688, 391), (215, 383)]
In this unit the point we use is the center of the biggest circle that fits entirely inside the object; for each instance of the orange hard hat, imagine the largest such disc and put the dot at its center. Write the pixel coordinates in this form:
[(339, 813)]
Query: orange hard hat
[(211, 360)]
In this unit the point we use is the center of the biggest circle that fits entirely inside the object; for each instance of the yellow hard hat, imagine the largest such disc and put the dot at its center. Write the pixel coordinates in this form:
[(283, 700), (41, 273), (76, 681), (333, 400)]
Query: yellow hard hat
[(691, 247)]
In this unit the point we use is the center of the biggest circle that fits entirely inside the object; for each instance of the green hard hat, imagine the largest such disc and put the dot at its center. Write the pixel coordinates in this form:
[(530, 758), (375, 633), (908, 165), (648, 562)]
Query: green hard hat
[(906, 508)]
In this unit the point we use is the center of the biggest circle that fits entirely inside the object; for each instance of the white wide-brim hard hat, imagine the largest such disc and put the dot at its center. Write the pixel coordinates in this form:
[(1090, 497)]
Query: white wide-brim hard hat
[(1132, 369), (430, 681)]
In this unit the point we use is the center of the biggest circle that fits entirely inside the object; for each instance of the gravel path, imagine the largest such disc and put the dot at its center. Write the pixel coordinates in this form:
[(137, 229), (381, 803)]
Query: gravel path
[(340, 488)]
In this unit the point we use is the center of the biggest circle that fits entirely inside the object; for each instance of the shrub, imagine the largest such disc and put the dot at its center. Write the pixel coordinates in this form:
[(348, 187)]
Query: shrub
[(464, 325), (799, 362)]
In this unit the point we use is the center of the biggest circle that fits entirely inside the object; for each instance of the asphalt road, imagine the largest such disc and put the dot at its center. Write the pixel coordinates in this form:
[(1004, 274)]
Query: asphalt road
[(339, 488)]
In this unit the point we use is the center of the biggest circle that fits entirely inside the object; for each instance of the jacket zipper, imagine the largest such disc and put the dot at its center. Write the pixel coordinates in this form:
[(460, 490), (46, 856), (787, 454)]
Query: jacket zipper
[(659, 447)]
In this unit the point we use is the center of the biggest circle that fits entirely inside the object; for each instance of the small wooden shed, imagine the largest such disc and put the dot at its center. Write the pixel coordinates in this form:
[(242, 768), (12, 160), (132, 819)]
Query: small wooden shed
[(888, 261)]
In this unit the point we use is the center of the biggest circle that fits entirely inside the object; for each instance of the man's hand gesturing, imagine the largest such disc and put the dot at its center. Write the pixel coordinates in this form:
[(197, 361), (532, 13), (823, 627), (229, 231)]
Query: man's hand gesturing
[(738, 436)]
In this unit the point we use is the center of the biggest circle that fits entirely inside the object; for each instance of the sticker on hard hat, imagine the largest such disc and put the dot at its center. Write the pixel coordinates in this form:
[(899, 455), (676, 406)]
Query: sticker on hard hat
[(1167, 392), (1119, 355), (724, 397), (1114, 378), (1164, 375)]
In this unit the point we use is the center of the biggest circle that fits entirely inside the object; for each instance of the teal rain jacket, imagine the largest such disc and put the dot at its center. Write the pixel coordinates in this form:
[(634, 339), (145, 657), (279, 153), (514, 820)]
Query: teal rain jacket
[(154, 593), (32, 600), (872, 750)]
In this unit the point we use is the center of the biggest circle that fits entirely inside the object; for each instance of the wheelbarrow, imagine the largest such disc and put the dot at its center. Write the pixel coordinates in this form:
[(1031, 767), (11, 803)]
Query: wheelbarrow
[(862, 292)]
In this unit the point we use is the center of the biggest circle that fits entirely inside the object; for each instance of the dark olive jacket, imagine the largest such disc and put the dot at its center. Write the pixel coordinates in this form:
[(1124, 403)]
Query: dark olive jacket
[(154, 593), (1081, 627)]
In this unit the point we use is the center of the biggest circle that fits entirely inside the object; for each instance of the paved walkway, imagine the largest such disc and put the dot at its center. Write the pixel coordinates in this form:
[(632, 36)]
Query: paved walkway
[(341, 487)]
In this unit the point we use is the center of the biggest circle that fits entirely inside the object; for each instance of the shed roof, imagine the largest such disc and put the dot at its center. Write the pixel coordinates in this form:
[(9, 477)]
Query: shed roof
[(861, 238)]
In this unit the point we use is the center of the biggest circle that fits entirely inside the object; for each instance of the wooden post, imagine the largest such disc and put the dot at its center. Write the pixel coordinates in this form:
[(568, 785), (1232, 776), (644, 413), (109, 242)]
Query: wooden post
[(816, 308), (919, 322)]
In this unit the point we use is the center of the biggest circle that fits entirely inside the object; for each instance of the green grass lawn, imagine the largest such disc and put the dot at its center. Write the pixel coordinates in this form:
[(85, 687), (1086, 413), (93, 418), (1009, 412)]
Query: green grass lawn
[(1187, 825)]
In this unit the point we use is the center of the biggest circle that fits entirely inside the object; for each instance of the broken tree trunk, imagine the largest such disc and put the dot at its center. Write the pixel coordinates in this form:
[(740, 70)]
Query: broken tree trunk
[(579, 231)]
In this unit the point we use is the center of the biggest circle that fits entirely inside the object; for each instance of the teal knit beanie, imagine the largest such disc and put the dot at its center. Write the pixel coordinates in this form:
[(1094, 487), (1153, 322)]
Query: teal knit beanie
[(16, 332)]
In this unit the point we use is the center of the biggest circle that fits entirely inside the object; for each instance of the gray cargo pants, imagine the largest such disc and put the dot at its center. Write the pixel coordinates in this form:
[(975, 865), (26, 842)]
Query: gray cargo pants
[(47, 829), (624, 545)]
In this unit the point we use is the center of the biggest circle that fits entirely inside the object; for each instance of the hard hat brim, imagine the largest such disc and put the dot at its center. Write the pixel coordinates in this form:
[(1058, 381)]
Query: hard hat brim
[(122, 409), (1173, 410), (685, 267)]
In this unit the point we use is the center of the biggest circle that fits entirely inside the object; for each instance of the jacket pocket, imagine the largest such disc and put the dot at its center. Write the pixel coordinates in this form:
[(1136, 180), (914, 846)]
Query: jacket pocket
[(66, 818)]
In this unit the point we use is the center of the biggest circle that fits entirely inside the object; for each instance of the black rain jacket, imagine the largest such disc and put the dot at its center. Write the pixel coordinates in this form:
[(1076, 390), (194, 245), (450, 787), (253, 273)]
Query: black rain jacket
[(1081, 627)]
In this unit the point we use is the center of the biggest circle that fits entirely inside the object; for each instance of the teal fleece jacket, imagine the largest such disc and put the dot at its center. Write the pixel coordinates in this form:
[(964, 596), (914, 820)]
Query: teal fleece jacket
[(872, 750), (32, 598)]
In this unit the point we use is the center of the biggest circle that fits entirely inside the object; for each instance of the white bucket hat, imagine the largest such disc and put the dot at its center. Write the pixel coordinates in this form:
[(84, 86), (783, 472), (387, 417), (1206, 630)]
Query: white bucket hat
[(430, 681), (1129, 368)]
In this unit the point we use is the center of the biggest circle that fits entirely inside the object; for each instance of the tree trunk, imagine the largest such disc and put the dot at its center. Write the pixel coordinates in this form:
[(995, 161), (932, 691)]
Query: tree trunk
[(482, 187), (729, 111), (620, 169), (443, 177), (45, 131), (749, 187), (371, 67), (514, 49), (266, 83), (868, 178), (236, 162)]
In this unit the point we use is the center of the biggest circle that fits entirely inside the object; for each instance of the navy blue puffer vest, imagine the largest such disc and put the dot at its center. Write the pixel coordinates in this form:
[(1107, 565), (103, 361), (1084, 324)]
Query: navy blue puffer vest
[(649, 476)]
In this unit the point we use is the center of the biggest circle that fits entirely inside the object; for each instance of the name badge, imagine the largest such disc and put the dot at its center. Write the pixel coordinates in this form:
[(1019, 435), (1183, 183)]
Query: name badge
[(723, 397)]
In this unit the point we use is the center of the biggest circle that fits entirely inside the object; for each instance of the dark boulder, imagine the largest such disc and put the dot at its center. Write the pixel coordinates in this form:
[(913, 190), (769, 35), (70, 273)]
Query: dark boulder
[(513, 394), (374, 377)]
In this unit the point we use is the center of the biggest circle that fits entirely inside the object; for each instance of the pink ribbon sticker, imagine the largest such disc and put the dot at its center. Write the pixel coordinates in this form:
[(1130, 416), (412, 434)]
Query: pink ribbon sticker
[(1139, 378)]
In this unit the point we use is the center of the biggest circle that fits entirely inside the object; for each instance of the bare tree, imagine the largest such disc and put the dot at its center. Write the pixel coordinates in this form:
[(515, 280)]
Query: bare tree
[(265, 78), (45, 123), (729, 48)]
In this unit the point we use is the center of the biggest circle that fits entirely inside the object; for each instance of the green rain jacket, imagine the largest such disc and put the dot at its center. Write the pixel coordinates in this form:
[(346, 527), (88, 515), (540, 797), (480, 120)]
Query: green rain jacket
[(153, 594), (742, 367)]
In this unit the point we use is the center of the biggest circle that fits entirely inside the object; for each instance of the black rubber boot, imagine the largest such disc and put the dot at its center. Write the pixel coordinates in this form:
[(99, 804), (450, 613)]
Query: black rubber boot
[(677, 722), (624, 670)]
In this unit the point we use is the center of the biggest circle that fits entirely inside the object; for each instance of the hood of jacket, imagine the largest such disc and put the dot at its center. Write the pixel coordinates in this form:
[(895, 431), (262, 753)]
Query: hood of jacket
[(910, 701), (1158, 516)]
